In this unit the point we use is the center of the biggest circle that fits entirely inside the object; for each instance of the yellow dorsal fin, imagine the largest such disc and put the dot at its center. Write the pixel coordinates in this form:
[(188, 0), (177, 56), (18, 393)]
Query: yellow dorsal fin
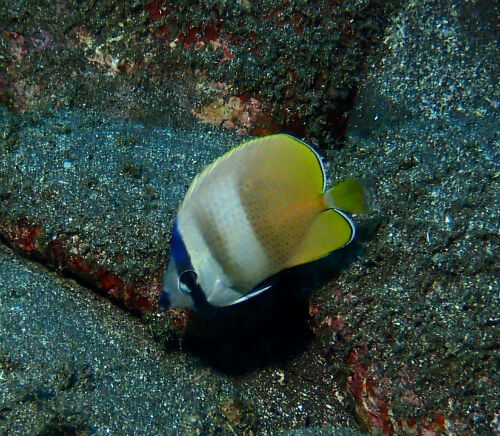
[(285, 159), (279, 157), (330, 230), (347, 195)]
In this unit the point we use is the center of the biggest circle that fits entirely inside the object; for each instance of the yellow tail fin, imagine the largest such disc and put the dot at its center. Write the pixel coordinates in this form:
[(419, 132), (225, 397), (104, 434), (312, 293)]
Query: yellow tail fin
[(347, 195)]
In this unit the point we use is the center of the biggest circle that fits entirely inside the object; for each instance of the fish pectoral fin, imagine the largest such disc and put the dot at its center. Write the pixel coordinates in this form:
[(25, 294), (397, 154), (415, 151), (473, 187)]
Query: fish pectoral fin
[(330, 230)]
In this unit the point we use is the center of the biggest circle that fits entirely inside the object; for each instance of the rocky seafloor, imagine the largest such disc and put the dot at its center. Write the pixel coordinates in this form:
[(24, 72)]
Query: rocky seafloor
[(401, 333)]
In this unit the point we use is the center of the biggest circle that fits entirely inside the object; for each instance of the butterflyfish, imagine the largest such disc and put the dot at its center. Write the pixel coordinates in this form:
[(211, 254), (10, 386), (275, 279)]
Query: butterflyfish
[(259, 209)]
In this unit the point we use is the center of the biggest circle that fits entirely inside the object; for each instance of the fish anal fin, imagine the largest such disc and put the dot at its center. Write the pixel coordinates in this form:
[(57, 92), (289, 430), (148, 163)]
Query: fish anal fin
[(330, 230)]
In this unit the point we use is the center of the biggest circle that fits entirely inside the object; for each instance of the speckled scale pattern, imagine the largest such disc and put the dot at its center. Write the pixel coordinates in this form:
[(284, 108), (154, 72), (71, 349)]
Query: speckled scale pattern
[(223, 224), (280, 215)]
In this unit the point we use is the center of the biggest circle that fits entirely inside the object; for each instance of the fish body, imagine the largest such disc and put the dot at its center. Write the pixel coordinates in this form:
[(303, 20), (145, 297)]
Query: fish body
[(259, 209)]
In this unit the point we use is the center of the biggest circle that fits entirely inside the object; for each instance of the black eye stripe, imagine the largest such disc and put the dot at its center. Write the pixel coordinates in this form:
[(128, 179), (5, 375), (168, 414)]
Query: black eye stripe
[(179, 251)]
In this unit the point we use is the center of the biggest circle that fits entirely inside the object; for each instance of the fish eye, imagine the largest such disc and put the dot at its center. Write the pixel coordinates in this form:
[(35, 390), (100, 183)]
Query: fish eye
[(184, 277), (184, 288)]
